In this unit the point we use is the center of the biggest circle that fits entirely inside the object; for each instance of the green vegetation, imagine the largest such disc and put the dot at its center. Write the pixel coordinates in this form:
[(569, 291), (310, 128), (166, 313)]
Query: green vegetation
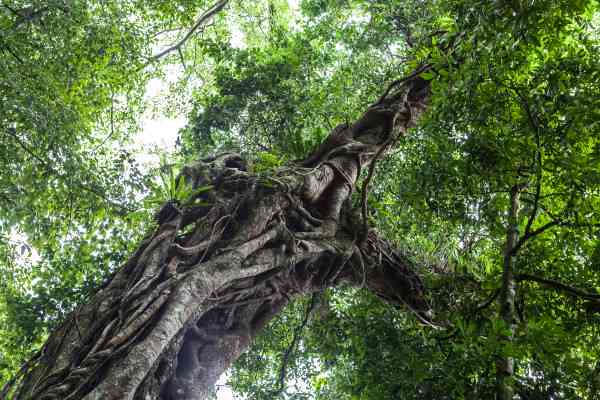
[(515, 108)]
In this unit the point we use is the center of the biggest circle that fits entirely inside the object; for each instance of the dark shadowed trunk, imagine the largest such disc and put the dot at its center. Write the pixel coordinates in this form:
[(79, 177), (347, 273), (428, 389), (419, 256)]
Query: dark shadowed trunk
[(222, 264)]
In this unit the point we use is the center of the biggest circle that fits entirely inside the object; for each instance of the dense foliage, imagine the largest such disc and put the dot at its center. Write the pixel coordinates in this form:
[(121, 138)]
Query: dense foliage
[(516, 94)]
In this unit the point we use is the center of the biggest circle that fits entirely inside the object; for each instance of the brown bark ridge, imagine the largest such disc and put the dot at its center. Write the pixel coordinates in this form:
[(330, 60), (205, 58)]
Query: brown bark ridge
[(222, 264)]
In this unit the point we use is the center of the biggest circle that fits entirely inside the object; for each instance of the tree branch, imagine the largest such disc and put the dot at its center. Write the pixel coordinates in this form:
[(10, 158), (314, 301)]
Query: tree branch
[(556, 220), (556, 285), (533, 233), (12, 53), (54, 172), (538, 184), (487, 303), (297, 333), (208, 14)]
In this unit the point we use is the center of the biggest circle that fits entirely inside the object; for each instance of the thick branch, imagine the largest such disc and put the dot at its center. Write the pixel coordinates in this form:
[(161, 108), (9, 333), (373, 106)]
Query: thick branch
[(534, 233), (559, 286)]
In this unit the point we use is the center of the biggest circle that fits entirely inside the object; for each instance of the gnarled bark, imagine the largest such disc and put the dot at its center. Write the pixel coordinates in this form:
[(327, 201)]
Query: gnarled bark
[(205, 283)]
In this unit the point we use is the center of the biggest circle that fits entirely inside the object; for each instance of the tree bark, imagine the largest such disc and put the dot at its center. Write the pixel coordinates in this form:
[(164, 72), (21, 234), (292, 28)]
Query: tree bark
[(222, 264), (505, 363)]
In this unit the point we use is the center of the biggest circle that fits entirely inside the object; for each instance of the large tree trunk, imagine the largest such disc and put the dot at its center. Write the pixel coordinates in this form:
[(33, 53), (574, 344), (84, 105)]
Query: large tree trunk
[(222, 264)]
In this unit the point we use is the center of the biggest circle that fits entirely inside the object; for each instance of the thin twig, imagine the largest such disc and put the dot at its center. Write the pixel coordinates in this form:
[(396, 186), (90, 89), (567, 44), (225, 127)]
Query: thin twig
[(53, 171), (12, 53)]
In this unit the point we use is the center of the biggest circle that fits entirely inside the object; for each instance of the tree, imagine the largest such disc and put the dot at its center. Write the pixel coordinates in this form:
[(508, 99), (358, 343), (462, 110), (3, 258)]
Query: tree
[(512, 120), (210, 276)]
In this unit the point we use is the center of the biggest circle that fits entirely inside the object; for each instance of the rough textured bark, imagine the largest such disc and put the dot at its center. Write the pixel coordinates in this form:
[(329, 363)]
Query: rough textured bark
[(221, 264)]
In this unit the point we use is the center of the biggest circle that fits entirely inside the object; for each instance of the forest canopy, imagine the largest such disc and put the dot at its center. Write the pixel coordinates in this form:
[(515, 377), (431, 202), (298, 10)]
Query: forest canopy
[(494, 195)]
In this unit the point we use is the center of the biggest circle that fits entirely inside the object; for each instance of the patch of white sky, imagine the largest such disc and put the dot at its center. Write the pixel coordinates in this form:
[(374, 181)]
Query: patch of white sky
[(25, 254), (159, 130)]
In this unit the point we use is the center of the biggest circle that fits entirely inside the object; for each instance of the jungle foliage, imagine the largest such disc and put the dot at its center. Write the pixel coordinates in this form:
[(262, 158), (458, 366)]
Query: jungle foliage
[(515, 106)]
